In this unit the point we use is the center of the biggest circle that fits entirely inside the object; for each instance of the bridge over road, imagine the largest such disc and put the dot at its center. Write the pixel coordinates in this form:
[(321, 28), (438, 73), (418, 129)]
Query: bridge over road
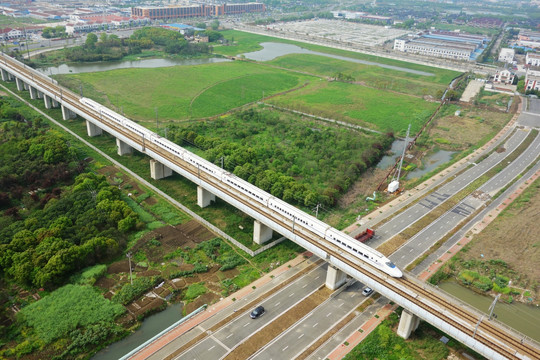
[(488, 338)]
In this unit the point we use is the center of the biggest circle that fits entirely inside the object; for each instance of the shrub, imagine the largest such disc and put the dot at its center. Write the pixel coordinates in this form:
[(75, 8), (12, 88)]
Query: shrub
[(129, 291), (194, 291)]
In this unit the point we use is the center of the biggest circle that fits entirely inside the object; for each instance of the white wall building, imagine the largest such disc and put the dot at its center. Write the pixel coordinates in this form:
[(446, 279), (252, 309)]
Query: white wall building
[(434, 49), (532, 59), (507, 55), (532, 80), (504, 77)]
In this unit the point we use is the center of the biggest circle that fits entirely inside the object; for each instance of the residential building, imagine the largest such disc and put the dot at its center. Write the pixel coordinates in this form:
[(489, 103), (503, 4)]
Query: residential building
[(10, 34), (504, 77), (532, 80), (183, 11), (532, 59), (507, 55)]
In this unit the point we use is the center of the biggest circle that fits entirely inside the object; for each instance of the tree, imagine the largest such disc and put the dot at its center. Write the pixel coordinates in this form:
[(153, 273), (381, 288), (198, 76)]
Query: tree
[(91, 40), (214, 24)]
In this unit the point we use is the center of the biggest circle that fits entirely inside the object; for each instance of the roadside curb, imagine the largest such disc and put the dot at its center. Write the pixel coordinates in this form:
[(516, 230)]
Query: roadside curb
[(358, 336), (217, 307), (477, 228)]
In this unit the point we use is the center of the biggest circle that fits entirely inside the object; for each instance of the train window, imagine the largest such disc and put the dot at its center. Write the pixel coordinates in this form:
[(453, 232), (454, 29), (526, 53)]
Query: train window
[(366, 256), (355, 250), (349, 246)]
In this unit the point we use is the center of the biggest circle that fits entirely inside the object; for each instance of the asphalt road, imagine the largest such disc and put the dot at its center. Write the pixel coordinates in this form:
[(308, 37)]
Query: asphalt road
[(431, 201)]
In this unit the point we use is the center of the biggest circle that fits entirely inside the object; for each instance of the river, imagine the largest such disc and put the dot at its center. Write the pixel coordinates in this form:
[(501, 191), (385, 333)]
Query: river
[(273, 50), (151, 326), (523, 318), (113, 65)]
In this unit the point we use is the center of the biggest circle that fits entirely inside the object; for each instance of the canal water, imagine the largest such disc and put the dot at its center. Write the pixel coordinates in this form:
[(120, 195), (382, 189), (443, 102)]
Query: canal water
[(113, 65), (272, 50), (150, 327), (396, 150), (524, 318), (431, 162)]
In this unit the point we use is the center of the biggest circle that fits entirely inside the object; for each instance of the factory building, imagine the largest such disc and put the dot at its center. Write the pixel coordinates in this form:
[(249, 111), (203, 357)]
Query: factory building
[(444, 44)]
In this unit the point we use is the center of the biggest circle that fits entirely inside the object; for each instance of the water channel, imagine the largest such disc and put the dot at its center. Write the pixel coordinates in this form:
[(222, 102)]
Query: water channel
[(150, 327), (524, 318), (395, 152), (431, 162), (113, 65), (272, 50)]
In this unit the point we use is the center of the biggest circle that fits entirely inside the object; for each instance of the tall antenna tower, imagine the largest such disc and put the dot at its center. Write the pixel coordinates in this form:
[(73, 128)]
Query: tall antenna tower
[(394, 184)]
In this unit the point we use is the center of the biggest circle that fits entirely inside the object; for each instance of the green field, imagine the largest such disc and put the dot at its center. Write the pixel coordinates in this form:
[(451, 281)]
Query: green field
[(360, 105), (246, 42), (183, 92)]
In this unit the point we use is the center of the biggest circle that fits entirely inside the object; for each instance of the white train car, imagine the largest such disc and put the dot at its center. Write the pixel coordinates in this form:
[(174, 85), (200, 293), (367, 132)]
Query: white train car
[(363, 252), (294, 215)]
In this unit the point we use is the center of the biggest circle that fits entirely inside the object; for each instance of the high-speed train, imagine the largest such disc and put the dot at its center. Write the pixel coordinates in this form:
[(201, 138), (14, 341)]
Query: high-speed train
[(292, 214)]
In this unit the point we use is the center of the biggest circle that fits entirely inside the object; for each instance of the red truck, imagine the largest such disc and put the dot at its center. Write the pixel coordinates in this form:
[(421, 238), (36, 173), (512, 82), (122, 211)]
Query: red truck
[(365, 236)]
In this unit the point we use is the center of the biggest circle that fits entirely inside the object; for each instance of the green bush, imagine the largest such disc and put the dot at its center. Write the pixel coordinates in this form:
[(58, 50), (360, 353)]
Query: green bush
[(129, 292), (194, 291), (89, 275), (66, 309)]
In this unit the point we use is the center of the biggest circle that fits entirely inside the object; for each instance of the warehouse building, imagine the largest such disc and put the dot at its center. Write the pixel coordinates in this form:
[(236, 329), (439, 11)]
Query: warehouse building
[(444, 44)]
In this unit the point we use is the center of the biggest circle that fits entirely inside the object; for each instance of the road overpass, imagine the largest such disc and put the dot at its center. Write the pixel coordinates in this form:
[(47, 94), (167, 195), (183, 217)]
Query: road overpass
[(466, 325)]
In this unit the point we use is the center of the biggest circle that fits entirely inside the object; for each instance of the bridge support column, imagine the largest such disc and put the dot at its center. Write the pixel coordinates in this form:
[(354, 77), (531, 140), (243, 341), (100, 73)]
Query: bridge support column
[(158, 170), (67, 114), (93, 130), (261, 233), (335, 278), (33, 93), (49, 102), (20, 84), (26, 86), (5, 75), (407, 324), (204, 197), (123, 148)]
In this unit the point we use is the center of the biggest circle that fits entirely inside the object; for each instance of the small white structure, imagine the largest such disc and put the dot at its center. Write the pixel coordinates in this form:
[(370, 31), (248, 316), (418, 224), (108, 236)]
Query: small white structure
[(507, 55)]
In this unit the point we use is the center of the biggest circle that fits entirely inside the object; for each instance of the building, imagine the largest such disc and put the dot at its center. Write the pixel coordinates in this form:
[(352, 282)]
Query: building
[(10, 34), (184, 11), (532, 80), (504, 77), (98, 23), (445, 44), (356, 15), (529, 39), (507, 55), (532, 59)]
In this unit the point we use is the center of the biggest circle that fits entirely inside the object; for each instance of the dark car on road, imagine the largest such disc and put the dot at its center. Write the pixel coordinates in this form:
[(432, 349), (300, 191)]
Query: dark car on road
[(258, 311)]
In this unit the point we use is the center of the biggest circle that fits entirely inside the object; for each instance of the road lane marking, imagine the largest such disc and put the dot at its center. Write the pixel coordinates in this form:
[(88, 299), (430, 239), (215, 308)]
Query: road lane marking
[(304, 286), (211, 347), (301, 335), (327, 315), (317, 323), (246, 324), (279, 302), (291, 294), (285, 348), (230, 335)]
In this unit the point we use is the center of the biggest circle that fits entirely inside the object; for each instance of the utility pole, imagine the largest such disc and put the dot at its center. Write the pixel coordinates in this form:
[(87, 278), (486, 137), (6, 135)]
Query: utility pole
[(317, 210), (492, 307), (221, 159), (129, 256), (157, 123)]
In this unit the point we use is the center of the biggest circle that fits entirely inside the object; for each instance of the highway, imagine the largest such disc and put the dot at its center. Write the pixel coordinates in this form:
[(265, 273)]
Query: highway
[(490, 339)]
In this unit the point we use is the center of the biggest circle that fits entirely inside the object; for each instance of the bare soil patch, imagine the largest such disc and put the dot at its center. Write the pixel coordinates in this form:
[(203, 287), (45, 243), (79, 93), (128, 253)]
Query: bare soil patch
[(208, 298), (363, 187), (513, 238), (105, 283)]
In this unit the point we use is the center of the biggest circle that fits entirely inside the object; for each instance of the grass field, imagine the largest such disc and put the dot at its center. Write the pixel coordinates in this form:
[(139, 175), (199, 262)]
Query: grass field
[(183, 92), (246, 42), (359, 105)]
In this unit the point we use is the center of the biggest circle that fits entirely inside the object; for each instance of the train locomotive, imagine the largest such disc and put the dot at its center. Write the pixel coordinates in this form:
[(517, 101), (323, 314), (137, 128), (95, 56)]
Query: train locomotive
[(288, 212)]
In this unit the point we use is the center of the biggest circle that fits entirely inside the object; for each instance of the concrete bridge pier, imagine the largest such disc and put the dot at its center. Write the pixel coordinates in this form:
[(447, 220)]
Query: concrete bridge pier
[(407, 324), (335, 277), (20, 84), (158, 170), (67, 113), (261, 233), (204, 197), (93, 130), (49, 102), (123, 148), (33, 93), (5, 75), (26, 86)]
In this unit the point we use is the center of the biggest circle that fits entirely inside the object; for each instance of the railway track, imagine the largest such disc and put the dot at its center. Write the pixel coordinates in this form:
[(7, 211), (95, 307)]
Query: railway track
[(488, 333)]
